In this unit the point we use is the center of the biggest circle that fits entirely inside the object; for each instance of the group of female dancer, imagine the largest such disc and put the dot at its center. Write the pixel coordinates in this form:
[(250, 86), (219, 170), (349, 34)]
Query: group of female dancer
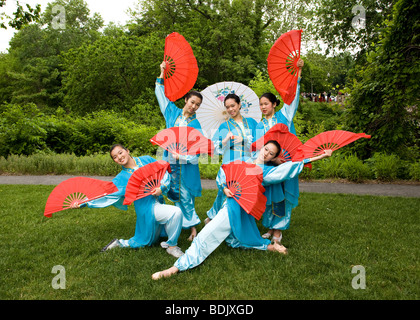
[(226, 220)]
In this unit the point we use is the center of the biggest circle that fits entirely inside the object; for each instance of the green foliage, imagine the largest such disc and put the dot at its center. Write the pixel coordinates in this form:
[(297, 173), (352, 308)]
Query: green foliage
[(82, 69), (35, 73), (354, 169), (21, 130), (330, 168), (25, 130), (313, 118), (261, 84), (110, 73), (59, 164), (384, 101), (338, 23), (21, 17), (414, 171), (385, 167)]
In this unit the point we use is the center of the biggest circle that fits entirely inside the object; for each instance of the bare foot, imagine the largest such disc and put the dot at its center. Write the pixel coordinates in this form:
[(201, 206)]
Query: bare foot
[(165, 273), (277, 248), (193, 234)]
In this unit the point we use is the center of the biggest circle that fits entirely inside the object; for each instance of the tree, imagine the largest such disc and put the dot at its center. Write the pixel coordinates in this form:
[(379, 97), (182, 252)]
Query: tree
[(228, 37), (111, 73), (384, 101), (21, 17), (352, 25), (37, 52)]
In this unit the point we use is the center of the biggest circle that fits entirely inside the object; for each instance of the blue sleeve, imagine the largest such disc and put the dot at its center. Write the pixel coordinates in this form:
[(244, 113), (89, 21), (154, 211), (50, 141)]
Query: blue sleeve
[(221, 180), (289, 111), (217, 138), (160, 95), (285, 171), (165, 183)]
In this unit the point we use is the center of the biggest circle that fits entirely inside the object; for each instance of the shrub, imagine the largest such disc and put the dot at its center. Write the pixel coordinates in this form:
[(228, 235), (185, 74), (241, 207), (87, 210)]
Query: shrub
[(331, 167), (414, 171), (385, 167), (51, 163), (21, 129), (354, 169)]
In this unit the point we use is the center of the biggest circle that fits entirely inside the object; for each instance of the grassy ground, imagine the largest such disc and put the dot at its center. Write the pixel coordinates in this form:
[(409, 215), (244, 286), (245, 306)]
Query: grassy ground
[(329, 234)]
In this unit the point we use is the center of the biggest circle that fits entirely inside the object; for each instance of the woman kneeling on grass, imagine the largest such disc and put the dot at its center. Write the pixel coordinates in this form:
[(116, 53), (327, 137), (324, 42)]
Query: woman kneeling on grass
[(232, 223), (148, 226)]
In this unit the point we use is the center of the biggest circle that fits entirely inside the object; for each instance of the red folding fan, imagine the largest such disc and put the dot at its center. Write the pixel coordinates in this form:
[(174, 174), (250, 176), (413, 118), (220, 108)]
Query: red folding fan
[(282, 64), (144, 180), (245, 182), (288, 141), (183, 141), (333, 140), (181, 67), (78, 189)]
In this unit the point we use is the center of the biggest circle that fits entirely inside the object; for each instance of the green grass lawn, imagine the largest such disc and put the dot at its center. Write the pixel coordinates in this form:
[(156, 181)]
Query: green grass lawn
[(329, 234)]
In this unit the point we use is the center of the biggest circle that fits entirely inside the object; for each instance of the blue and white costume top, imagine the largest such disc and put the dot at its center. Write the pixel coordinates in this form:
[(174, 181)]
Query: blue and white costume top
[(285, 115), (232, 224), (185, 174), (231, 151), (282, 197), (147, 229)]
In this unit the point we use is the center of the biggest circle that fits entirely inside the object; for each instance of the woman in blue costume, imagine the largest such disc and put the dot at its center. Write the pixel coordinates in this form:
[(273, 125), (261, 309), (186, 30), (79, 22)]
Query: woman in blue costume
[(285, 195), (153, 217), (185, 175), (232, 223), (233, 141)]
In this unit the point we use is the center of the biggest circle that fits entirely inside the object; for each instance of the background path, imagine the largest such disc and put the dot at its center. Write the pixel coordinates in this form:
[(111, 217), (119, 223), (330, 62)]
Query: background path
[(376, 189)]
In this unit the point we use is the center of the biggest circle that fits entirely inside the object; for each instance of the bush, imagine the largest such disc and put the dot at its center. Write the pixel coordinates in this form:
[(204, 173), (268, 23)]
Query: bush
[(385, 167), (354, 169), (331, 167), (414, 171), (21, 129), (24, 130), (50, 163)]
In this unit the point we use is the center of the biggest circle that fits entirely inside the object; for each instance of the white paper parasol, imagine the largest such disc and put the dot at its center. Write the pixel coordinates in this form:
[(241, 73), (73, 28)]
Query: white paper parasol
[(212, 112)]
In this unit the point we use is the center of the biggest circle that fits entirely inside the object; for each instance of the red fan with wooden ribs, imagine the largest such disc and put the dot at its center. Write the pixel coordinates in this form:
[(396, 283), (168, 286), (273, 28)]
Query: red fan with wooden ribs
[(282, 64), (144, 180), (333, 140), (288, 141), (183, 141), (76, 190), (181, 67), (245, 182)]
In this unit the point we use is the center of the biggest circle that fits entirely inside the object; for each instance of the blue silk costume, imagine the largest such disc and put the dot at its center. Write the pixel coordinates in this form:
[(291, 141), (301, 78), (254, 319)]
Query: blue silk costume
[(282, 197), (147, 230), (185, 175), (232, 223), (231, 152)]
